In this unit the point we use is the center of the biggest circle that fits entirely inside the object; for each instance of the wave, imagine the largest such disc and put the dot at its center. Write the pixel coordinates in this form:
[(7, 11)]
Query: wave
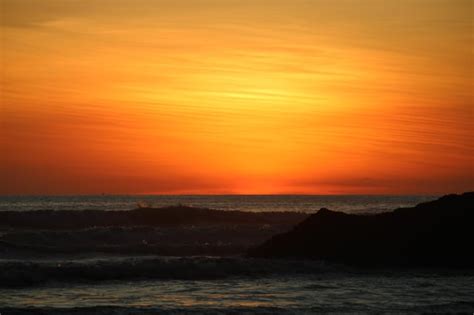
[(27, 273), (14, 273), (142, 240), (98, 310), (461, 307), (167, 216)]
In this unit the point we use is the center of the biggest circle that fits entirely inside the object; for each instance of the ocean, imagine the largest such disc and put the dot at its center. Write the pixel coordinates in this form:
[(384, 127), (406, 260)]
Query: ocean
[(254, 203), (201, 267)]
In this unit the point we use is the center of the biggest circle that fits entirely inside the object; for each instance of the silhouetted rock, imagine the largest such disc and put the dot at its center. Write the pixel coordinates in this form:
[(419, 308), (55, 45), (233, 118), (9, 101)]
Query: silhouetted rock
[(436, 233)]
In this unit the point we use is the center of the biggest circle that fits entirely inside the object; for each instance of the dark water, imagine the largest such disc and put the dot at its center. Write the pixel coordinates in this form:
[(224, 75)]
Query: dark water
[(349, 203), (199, 268), (314, 293)]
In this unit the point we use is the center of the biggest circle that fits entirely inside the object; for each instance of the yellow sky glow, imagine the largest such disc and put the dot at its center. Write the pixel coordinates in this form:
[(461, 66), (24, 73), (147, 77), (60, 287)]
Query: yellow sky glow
[(207, 96)]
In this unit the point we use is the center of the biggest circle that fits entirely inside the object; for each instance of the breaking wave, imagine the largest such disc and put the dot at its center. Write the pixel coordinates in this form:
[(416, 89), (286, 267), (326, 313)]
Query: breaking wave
[(167, 216)]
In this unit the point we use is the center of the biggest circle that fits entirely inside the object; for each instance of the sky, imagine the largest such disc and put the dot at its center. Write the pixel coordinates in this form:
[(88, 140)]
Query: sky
[(236, 97)]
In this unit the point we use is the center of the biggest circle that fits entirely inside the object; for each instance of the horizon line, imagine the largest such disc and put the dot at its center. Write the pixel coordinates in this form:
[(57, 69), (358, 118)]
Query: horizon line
[(231, 194)]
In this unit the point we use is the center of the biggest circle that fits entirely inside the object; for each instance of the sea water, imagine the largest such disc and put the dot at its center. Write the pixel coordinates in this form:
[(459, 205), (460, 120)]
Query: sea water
[(302, 203), (107, 272)]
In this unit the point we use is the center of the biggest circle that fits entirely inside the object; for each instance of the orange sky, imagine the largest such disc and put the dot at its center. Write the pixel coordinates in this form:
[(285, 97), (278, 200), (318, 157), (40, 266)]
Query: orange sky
[(247, 96)]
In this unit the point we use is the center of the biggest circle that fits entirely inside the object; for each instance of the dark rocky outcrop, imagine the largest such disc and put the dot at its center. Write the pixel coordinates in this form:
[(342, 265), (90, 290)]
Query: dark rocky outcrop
[(437, 233)]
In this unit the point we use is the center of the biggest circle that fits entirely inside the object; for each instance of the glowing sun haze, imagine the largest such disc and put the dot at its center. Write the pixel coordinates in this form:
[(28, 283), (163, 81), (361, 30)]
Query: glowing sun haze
[(247, 96)]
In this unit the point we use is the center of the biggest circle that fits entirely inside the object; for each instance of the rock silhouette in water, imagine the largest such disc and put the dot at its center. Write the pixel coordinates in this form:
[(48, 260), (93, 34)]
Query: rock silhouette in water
[(436, 233)]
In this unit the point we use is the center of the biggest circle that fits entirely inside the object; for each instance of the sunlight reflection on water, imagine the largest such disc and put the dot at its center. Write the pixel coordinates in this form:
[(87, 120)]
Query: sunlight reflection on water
[(343, 292)]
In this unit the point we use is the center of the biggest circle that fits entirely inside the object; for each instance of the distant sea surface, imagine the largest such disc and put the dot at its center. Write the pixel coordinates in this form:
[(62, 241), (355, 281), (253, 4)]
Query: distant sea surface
[(202, 269), (254, 203)]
